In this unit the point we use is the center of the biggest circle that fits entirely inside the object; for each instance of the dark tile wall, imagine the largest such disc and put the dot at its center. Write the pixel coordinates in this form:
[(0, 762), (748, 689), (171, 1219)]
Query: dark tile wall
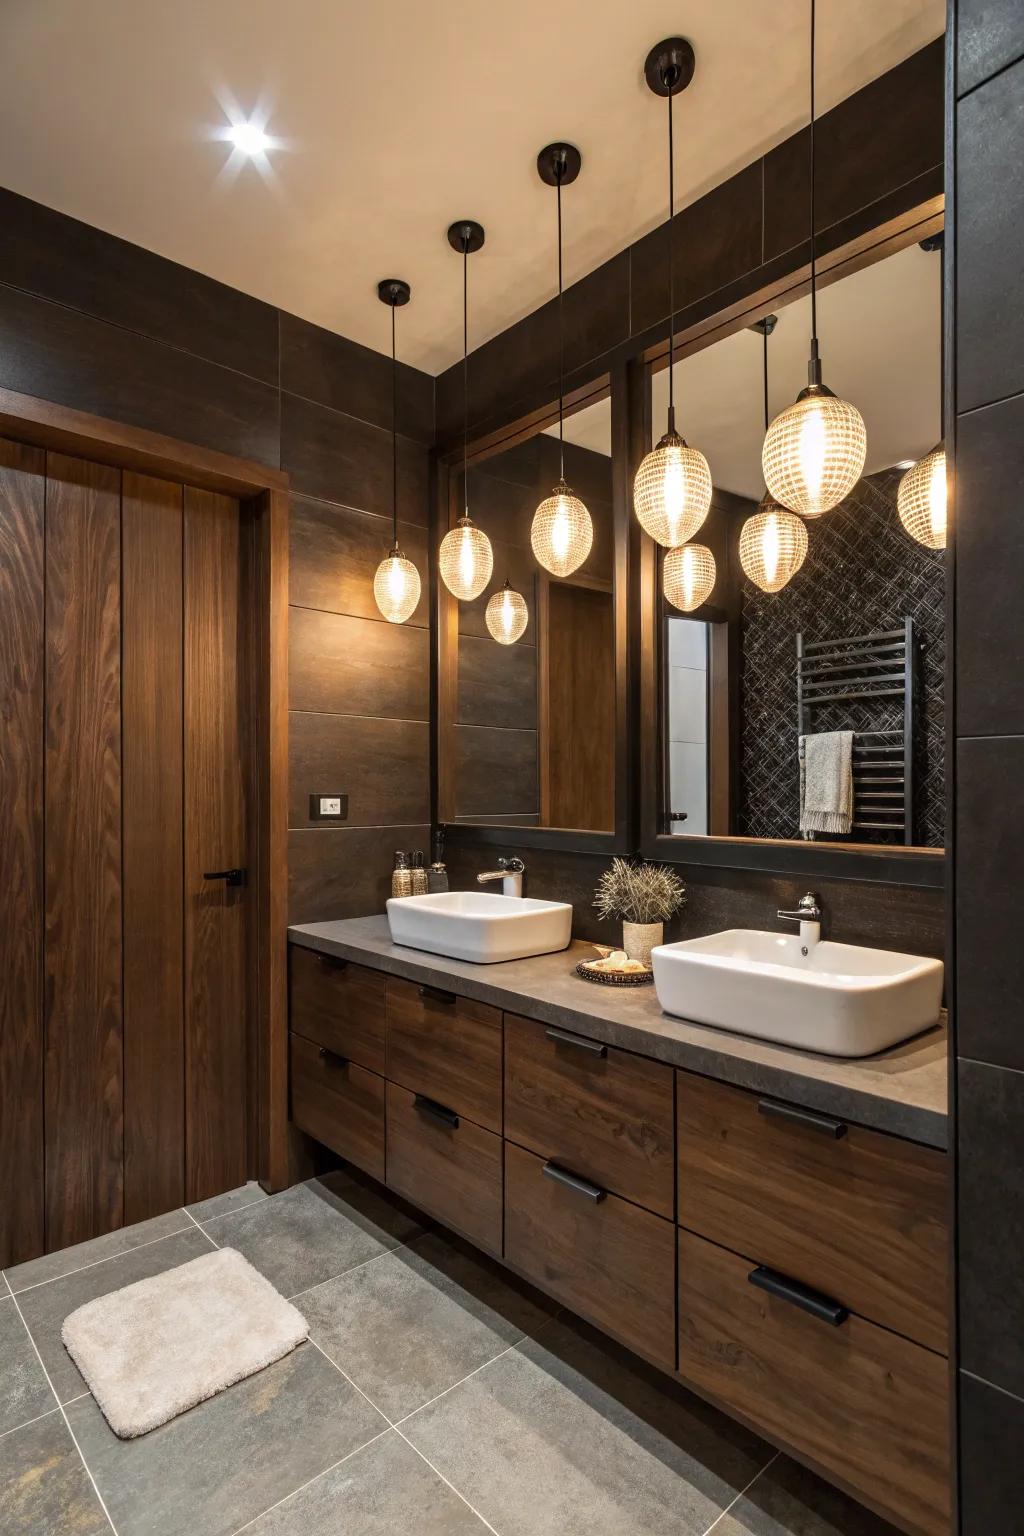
[(987, 129)]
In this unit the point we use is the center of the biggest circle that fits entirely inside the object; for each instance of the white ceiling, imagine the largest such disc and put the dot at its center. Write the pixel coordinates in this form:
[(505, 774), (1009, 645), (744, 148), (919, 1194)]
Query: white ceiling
[(395, 119)]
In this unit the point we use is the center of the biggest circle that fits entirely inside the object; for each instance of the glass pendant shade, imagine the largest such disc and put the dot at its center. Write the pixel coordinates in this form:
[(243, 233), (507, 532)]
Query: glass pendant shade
[(562, 534), (396, 587), (672, 491), (688, 576), (813, 452), (773, 545), (921, 499), (466, 560), (507, 615)]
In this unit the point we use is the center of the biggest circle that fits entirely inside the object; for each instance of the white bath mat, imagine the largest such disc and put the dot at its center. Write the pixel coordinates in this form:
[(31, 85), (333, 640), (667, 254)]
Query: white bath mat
[(152, 1350)]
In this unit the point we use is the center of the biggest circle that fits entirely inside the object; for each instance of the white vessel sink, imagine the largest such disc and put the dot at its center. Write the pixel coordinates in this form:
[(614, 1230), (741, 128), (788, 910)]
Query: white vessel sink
[(840, 999), (480, 926)]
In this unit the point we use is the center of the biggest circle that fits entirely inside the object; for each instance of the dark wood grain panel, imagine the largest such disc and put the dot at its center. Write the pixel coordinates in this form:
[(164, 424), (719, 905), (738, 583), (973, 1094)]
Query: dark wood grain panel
[(339, 1104), (345, 871), (340, 458), (868, 1407), (22, 498), (862, 1218), (335, 552), (606, 1114), (216, 914), (82, 959), (153, 853), (453, 1173), (339, 1005), (382, 765), (497, 683), (334, 371), (354, 666), (578, 737), (495, 771), (448, 1048), (609, 1261)]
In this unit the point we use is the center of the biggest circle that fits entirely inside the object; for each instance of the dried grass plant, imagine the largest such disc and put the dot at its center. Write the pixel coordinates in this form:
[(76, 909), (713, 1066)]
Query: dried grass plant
[(639, 893)]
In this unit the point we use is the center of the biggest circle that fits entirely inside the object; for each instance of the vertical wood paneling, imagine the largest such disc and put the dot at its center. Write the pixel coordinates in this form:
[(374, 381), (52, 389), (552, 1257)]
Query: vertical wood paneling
[(216, 742), (21, 841), (152, 767), (83, 1096)]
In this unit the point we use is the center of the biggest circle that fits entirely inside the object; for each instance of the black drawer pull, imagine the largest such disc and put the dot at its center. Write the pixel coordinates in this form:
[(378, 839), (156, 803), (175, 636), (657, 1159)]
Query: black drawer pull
[(436, 995), (332, 1058), (805, 1117), (819, 1306), (573, 1181), (331, 962), (563, 1037), (436, 1111)]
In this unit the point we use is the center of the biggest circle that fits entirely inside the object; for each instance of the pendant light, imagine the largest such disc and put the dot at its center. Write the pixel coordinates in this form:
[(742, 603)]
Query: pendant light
[(773, 543), (466, 559), (562, 533), (814, 451), (507, 615), (396, 585), (921, 499), (688, 576), (672, 488)]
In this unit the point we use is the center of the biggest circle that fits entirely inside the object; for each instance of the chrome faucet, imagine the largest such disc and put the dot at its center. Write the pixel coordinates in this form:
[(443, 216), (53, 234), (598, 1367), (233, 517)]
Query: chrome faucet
[(809, 915), (509, 872)]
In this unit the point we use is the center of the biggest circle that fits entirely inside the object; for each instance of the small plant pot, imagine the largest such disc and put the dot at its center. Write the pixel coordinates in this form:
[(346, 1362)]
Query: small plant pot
[(638, 939)]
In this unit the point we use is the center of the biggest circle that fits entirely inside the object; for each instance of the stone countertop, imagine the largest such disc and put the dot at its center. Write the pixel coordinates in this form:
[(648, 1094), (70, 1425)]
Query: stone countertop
[(902, 1091)]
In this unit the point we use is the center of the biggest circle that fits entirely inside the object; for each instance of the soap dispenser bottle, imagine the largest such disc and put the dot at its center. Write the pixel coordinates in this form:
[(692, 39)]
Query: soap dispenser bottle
[(401, 878), (419, 875)]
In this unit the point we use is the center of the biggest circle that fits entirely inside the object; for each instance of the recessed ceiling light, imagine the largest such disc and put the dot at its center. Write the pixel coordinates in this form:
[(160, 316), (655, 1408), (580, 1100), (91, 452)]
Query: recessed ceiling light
[(249, 138)]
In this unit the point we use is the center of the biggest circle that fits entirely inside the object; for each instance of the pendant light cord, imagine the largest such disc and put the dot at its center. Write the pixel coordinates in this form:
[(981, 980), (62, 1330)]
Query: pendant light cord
[(671, 262), (764, 333), (561, 334), (814, 366), (394, 428), (465, 374)]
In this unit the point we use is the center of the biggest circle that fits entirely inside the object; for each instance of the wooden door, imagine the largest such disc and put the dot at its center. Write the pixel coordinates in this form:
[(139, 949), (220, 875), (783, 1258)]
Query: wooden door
[(578, 715)]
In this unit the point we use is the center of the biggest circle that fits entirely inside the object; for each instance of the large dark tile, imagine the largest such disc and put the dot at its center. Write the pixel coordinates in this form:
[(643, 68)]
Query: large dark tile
[(334, 371), (24, 1393), (340, 458), (787, 1500), (382, 765), (73, 359), (989, 35), (991, 1435), (44, 1488), (348, 666), (989, 570), (596, 313), (521, 359), (569, 1436), (496, 771), (498, 683), (990, 847), (335, 552), (345, 871), (60, 258), (989, 217), (50, 1266), (215, 1468), (990, 1139)]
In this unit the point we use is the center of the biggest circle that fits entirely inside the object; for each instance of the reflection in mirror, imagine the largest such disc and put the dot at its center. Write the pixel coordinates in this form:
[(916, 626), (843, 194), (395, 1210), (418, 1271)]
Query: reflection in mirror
[(533, 740), (854, 642)]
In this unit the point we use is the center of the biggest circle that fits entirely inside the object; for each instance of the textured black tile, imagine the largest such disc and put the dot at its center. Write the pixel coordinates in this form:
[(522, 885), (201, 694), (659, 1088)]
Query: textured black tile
[(334, 371), (339, 458), (991, 1435), (989, 218), (348, 666), (989, 35), (62, 355), (382, 765), (990, 850), (334, 553), (345, 872), (497, 683), (60, 258), (990, 1197), (495, 771), (990, 570)]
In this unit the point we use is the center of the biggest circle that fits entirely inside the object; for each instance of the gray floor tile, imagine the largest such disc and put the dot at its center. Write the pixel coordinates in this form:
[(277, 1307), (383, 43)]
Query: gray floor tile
[(383, 1490), (415, 1321), (216, 1467), (787, 1500), (46, 1306), (570, 1436), (314, 1231), (231, 1200), (24, 1393), (52, 1265), (44, 1489)]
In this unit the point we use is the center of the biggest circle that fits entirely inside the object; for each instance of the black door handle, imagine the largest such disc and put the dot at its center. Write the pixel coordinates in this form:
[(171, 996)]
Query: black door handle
[(563, 1037), (436, 1111), (229, 876), (574, 1182), (824, 1124), (819, 1306)]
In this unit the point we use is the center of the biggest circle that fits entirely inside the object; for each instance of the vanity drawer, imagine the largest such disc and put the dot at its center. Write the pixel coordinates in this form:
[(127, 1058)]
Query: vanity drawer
[(865, 1405), (608, 1260), (445, 1164), (339, 1005), (447, 1048), (855, 1213), (338, 1103), (604, 1113)]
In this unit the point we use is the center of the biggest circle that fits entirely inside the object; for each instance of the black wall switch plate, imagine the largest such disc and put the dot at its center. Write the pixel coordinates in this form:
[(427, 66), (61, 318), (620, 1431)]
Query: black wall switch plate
[(328, 807)]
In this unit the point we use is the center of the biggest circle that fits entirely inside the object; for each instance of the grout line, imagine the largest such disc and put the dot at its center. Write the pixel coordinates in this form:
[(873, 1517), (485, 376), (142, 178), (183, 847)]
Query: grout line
[(343, 1272), (35, 1420), (200, 1228), (310, 1481), (476, 1371), (719, 1517), (67, 1422), (108, 1260), (223, 1215)]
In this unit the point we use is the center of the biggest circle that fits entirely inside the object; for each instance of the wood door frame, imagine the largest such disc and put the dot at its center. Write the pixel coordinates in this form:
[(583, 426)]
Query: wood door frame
[(263, 494)]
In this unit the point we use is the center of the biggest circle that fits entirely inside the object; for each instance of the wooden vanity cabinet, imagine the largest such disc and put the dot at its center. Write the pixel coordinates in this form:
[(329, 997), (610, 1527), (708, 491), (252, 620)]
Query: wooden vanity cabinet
[(446, 1047), (447, 1164), (338, 1005), (338, 1103)]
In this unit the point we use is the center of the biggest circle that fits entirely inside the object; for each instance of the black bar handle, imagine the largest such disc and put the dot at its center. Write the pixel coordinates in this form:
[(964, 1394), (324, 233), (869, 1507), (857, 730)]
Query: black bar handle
[(229, 876), (819, 1306), (808, 1118), (563, 1037), (437, 995), (436, 1111), (332, 1058), (574, 1182), (331, 962)]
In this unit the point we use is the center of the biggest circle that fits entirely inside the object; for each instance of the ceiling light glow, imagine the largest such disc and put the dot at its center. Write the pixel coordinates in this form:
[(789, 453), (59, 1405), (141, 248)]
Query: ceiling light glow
[(249, 138)]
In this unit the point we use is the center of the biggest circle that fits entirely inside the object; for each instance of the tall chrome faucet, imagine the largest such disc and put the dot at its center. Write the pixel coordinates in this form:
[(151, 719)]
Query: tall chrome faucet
[(808, 914), (509, 872)]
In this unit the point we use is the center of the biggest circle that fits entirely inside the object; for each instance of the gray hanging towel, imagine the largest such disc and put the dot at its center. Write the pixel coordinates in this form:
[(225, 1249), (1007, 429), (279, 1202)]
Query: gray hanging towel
[(826, 782)]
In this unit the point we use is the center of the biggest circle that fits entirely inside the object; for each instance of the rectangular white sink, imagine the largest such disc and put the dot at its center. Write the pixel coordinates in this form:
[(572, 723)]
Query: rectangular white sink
[(480, 926), (839, 999)]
